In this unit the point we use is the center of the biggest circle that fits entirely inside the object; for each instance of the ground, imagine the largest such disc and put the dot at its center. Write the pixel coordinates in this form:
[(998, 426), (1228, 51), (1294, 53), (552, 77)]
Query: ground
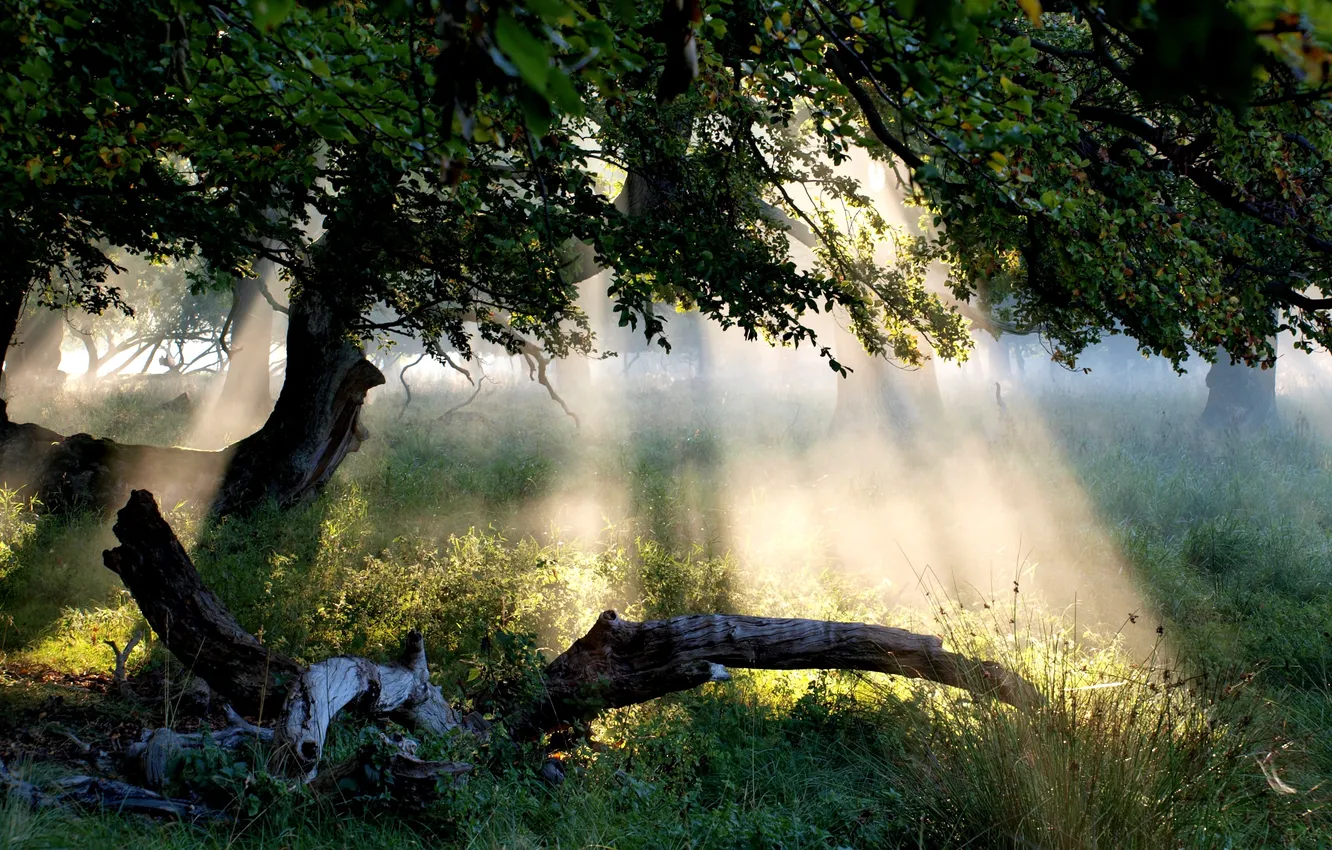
[(1167, 588)]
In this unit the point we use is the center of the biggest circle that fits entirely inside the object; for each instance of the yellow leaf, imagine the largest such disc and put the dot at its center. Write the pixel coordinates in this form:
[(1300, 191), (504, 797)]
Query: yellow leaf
[(857, 22), (786, 20), (754, 48), (1033, 10)]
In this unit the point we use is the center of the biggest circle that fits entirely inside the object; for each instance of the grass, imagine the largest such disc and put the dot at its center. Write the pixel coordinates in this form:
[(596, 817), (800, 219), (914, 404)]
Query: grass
[(1213, 733)]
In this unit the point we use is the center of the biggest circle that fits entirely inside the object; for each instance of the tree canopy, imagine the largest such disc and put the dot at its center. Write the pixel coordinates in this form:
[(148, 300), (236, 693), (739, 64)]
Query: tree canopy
[(1155, 169)]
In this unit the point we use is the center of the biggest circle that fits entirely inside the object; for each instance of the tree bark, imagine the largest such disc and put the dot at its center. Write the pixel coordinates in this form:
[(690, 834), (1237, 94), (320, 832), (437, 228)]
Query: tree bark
[(246, 387), (316, 420), (620, 662), (616, 663), (192, 622), (1239, 397)]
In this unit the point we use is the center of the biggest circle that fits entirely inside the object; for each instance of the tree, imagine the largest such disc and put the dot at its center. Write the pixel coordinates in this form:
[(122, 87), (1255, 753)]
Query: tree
[(1073, 189), (451, 156)]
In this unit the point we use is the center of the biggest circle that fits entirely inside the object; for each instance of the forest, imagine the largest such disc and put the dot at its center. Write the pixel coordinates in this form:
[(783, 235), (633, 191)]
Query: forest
[(689, 423)]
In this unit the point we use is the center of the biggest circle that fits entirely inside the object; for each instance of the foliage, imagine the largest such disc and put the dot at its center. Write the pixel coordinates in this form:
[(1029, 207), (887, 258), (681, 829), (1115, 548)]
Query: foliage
[(452, 155)]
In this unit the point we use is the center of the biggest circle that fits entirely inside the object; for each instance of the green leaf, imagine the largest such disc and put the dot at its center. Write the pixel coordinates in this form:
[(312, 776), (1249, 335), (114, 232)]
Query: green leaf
[(528, 54), (552, 12), (536, 112), (564, 95), (268, 14), (333, 129)]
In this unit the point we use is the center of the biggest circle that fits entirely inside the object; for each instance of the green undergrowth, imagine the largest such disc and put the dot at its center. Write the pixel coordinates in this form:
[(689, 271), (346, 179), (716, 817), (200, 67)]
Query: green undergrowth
[(1209, 732)]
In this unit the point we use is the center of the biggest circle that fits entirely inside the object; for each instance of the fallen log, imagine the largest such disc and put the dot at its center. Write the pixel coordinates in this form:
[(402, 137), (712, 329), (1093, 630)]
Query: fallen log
[(156, 750), (205, 637), (77, 472), (620, 662), (617, 663), (194, 624)]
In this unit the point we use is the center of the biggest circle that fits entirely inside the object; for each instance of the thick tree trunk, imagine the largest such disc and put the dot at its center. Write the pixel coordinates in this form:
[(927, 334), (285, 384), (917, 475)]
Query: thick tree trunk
[(246, 388), (316, 420), (194, 624), (617, 663), (1239, 397), (12, 298), (312, 428)]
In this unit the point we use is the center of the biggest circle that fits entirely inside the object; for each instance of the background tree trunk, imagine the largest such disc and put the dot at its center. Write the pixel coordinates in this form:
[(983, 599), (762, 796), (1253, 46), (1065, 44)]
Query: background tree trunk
[(34, 349), (12, 297), (1239, 396), (246, 388)]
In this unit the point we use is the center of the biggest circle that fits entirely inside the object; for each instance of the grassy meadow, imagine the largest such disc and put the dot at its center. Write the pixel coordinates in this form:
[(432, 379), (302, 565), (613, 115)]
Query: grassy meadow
[(1166, 589)]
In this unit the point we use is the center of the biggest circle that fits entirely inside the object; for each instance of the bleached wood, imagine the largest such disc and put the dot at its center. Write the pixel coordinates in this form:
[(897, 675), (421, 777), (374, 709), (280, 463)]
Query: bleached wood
[(401, 691)]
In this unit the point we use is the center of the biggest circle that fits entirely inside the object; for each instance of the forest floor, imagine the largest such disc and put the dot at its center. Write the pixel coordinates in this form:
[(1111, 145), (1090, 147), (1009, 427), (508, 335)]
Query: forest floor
[(1167, 589)]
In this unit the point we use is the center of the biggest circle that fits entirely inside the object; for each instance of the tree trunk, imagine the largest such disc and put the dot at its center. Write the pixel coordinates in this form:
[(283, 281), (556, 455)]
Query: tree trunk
[(245, 392), (312, 428), (617, 663), (1239, 397), (193, 623), (316, 420), (12, 299)]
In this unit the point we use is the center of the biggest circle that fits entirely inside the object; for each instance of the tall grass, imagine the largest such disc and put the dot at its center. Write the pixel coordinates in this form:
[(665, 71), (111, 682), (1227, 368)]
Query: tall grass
[(1198, 741)]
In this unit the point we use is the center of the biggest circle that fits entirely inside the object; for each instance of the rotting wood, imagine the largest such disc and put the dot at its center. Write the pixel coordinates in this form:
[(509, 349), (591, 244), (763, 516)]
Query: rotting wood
[(617, 663), (205, 637), (120, 675), (110, 794), (194, 624), (620, 662), (156, 750), (400, 691)]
